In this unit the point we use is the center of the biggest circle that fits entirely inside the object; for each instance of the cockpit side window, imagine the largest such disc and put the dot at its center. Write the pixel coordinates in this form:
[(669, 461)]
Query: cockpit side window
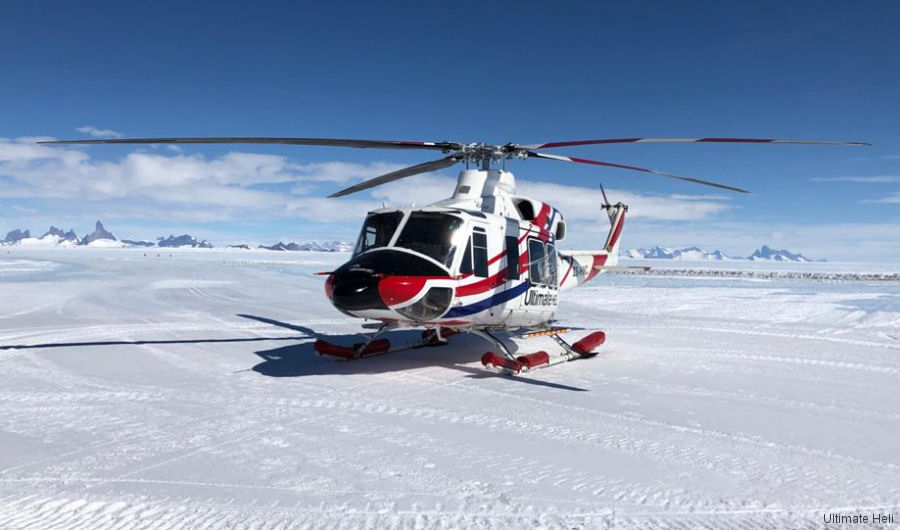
[(377, 231), (465, 267), (480, 253), (434, 234)]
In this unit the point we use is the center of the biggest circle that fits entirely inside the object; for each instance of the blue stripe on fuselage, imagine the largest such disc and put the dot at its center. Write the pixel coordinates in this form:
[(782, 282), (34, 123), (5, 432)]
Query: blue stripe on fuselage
[(488, 303)]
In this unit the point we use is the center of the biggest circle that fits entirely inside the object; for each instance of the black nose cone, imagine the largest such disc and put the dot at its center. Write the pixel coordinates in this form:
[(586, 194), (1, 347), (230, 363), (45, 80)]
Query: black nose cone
[(356, 289), (355, 285)]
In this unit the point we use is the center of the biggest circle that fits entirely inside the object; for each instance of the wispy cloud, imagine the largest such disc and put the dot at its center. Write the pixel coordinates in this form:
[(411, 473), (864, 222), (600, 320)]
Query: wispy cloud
[(890, 199), (874, 179), (178, 186), (99, 133)]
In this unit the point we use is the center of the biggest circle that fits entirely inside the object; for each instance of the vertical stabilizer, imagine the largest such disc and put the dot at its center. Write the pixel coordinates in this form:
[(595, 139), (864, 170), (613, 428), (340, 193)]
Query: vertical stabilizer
[(616, 222)]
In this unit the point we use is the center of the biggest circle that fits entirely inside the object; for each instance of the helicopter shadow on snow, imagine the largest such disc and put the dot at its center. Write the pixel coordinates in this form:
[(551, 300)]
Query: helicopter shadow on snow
[(300, 360)]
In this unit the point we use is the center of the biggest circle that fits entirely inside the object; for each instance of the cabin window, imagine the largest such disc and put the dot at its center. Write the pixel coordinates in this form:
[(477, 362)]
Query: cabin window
[(542, 263), (512, 257), (551, 265), (536, 262), (377, 231), (479, 252), (433, 234)]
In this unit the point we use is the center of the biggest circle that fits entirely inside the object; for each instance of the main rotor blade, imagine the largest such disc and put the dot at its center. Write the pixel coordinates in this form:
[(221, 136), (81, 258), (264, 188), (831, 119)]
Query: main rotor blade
[(328, 142), (399, 174), (682, 140), (634, 168)]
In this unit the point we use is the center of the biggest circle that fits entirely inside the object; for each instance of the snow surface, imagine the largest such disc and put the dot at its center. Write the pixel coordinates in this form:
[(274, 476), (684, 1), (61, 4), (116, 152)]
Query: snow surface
[(178, 389)]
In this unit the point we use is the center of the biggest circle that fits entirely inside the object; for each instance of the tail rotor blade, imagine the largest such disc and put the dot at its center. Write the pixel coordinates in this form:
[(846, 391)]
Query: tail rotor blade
[(434, 165), (605, 200), (549, 145), (536, 154)]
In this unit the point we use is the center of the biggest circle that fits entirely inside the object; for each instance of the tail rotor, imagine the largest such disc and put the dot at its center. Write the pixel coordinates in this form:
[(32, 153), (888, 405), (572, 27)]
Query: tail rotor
[(606, 205)]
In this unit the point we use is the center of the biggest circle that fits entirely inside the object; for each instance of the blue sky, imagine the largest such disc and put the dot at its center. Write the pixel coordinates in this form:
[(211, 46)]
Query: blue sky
[(462, 71)]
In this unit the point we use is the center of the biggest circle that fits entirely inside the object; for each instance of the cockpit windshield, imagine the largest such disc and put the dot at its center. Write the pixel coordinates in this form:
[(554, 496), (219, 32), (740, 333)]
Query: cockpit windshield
[(377, 231), (434, 234)]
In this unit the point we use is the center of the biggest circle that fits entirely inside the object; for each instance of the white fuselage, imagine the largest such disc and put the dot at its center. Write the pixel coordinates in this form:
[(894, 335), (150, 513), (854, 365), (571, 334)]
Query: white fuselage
[(484, 258)]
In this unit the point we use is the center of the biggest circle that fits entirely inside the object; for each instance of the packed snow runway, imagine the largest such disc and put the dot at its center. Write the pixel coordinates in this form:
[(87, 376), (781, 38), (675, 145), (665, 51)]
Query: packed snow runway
[(178, 389)]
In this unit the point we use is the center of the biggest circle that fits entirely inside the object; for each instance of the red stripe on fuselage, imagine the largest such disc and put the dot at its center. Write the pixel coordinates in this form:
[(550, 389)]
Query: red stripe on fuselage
[(491, 261), (541, 222), (483, 285)]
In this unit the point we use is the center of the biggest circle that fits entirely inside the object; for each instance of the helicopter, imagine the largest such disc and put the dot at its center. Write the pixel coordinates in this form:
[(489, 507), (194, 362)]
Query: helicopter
[(484, 261)]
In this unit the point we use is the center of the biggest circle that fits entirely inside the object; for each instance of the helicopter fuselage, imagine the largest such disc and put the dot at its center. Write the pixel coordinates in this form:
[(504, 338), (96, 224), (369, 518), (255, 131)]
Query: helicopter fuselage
[(484, 258)]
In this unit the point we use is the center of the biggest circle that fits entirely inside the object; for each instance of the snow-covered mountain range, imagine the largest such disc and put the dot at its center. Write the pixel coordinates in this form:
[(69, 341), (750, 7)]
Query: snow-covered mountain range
[(101, 237), (57, 237), (763, 253), (327, 246), (183, 240)]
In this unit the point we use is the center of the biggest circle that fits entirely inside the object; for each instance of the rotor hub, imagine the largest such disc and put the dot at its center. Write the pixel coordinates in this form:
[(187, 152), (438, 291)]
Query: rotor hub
[(486, 154)]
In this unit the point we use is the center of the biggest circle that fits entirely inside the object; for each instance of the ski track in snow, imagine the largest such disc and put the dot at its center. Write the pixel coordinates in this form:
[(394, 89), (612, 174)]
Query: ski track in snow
[(133, 394)]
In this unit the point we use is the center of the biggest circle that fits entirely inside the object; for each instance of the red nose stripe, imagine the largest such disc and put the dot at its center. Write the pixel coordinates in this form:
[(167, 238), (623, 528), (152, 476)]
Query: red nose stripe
[(398, 289)]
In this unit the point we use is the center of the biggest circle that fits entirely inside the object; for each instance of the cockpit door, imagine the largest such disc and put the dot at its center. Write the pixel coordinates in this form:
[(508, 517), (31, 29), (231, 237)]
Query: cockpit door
[(475, 256)]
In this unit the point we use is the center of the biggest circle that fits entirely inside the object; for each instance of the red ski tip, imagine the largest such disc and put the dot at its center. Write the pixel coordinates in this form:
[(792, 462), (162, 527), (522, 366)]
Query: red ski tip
[(587, 344), (534, 360), (492, 360), (333, 350)]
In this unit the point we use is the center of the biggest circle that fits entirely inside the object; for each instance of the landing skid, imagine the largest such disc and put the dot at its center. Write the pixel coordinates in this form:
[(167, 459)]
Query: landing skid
[(375, 346), (500, 357), (583, 349)]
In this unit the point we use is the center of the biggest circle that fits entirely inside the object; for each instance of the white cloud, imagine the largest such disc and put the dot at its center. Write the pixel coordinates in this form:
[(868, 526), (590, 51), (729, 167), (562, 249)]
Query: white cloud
[(576, 202), (99, 133), (890, 199), (420, 189), (874, 179), (581, 203), (192, 188)]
